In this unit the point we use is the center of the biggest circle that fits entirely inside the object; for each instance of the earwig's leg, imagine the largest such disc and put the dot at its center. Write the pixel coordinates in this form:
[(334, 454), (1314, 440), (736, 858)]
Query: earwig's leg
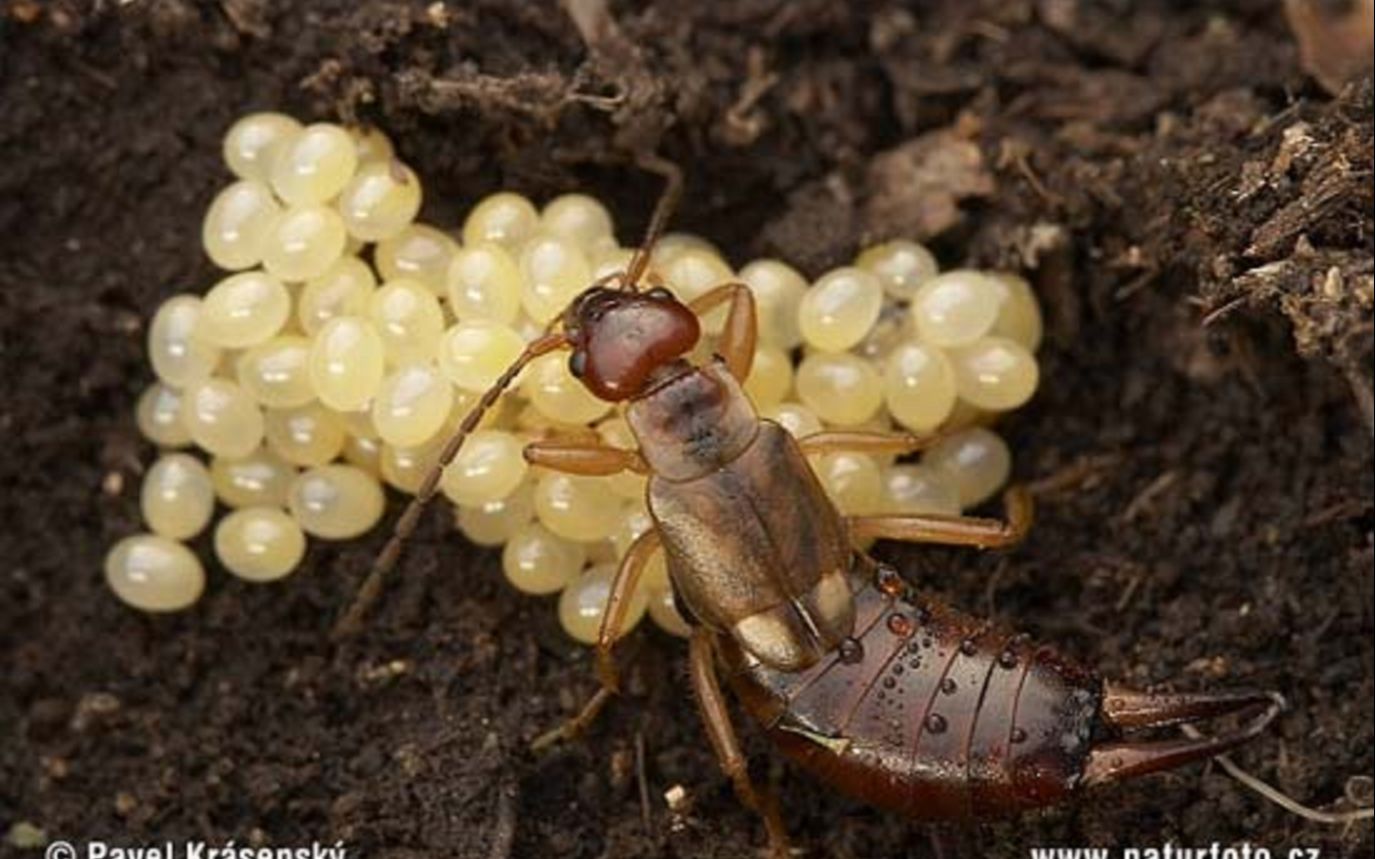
[(618, 602), (576, 725), (737, 340), (952, 530), (716, 719), (858, 441), (613, 622), (588, 459)]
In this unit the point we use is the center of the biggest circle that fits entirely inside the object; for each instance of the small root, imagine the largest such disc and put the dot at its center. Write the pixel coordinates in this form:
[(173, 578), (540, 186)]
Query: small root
[(1278, 797)]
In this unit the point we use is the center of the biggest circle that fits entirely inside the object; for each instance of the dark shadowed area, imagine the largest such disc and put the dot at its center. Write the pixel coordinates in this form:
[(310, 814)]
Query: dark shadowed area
[(1195, 211)]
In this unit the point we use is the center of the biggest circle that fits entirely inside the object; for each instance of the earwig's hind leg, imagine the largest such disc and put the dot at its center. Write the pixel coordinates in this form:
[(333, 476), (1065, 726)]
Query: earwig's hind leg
[(1123, 708), (613, 623), (859, 441), (952, 530), (736, 345), (716, 719), (587, 459)]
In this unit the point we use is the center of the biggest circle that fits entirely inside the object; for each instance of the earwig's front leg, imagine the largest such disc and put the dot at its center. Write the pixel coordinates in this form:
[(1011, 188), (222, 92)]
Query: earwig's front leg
[(613, 622), (736, 345), (716, 719), (859, 441), (618, 602), (587, 459), (952, 530)]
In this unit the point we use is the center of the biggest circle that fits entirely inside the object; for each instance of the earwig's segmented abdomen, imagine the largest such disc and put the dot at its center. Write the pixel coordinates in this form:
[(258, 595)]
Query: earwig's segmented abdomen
[(928, 711)]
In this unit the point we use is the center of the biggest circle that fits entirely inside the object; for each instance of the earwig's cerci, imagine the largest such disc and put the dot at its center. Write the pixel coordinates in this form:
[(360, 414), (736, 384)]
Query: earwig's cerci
[(887, 695)]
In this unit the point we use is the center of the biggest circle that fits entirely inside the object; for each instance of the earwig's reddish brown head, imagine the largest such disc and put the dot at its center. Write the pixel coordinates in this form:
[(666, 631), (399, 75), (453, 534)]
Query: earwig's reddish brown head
[(620, 337)]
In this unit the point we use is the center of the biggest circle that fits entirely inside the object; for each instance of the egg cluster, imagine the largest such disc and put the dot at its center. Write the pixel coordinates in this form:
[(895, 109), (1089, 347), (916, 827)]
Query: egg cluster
[(347, 341)]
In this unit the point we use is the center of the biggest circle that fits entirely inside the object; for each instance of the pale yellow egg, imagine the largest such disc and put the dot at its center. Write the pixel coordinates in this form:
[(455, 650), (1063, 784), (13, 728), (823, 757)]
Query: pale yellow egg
[(995, 373), (909, 488), (956, 308), (259, 544), (409, 319), (158, 415), (473, 354), (901, 266), (778, 291), (154, 574), (304, 242), (975, 461), (252, 143), (1019, 315), (505, 218), (412, 405), (575, 507), (839, 309), (796, 418), (554, 270), (347, 363), (381, 200), (371, 144), (336, 502), (345, 289), (583, 603), (237, 224), (490, 466), (537, 561), (577, 217), (919, 386), (839, 388), (306, 435), (314, 165), (558, 394), (493, 523), (418, 252), (771, 377), (853, 481), (177, 498), (260, 479), (179, 358), (243, 310), (276, 373), (222, 418), (484, 282)]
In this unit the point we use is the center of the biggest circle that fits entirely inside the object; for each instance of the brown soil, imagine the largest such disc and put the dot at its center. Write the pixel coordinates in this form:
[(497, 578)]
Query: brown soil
[(1198, 217)]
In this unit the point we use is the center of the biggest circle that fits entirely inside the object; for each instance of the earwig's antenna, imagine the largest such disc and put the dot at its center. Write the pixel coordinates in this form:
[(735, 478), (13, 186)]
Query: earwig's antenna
[(386, 559), (382, 565), (663, 210)]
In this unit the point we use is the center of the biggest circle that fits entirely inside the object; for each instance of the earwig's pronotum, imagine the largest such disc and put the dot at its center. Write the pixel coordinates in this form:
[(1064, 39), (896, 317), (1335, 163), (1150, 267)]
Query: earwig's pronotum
[(889, 696)]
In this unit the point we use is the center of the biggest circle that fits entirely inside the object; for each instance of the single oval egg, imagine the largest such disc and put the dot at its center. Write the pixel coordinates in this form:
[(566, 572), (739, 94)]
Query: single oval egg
[(259, 544), (154, 574)]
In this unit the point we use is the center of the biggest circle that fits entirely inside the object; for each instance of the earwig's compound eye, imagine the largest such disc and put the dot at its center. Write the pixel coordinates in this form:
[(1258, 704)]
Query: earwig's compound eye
[(577, 363), (659, 293)]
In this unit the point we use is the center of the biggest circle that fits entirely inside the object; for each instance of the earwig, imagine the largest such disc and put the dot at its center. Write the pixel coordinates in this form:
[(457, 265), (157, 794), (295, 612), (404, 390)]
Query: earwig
[(885, 694)]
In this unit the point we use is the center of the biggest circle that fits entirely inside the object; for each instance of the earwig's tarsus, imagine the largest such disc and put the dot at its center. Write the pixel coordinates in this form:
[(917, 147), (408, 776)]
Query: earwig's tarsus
[(572, 728), (352, 619)]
